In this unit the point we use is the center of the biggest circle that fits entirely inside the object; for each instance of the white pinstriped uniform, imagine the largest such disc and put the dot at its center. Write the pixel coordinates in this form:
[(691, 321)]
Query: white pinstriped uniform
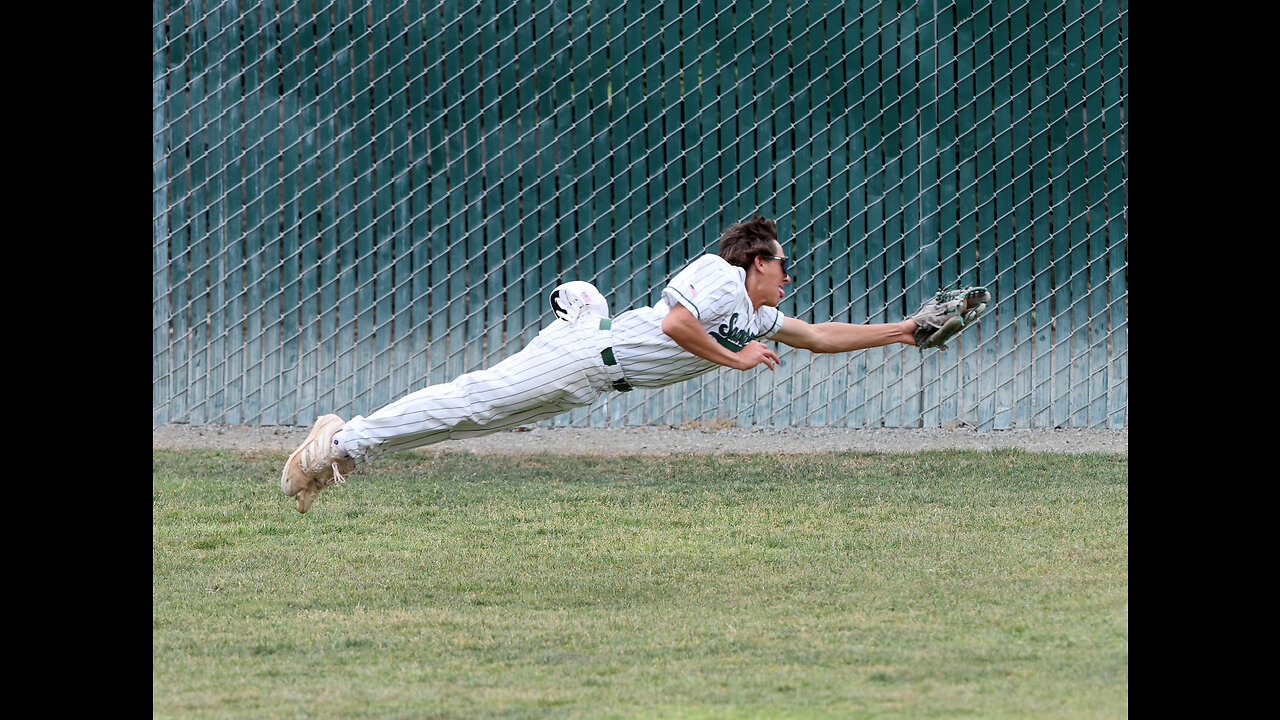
[(566, 366)]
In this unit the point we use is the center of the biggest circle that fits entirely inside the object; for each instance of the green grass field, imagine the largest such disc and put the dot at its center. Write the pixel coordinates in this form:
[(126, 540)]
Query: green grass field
[(856, 585)]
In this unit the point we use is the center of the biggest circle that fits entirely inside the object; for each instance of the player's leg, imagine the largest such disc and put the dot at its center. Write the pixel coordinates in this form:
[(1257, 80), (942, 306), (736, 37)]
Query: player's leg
[(557, 372), (541, 381)]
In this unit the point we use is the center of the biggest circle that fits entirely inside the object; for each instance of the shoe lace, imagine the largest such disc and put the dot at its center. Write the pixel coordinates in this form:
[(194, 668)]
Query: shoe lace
[(338, 477)]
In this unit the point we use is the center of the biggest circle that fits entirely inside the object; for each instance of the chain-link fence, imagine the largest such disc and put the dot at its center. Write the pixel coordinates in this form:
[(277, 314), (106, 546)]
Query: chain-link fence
[(352, 199)]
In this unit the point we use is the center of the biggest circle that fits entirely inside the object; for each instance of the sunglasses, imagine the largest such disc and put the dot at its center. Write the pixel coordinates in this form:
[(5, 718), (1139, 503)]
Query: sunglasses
[(785, 262)]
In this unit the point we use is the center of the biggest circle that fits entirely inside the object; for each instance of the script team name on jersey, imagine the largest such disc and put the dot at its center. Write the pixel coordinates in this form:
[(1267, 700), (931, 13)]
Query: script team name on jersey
[(731, 336)]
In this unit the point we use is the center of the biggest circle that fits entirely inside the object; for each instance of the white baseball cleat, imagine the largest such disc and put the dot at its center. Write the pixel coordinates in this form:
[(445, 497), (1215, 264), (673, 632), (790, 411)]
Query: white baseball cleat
[(315, 465)]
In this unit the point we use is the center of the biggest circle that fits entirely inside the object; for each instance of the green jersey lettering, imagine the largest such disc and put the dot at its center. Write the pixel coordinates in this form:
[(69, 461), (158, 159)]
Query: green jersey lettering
[(731, 336)]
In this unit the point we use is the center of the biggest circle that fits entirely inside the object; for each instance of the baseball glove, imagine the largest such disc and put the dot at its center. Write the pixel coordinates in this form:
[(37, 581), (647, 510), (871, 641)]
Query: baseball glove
[(947, 313)]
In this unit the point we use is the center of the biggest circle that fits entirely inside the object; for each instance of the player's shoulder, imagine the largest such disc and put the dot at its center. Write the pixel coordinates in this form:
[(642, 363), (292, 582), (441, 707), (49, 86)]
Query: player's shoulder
[(712, 264)]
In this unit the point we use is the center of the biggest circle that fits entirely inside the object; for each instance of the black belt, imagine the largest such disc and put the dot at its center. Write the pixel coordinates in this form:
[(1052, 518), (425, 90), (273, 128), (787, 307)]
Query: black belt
[(609, 359)]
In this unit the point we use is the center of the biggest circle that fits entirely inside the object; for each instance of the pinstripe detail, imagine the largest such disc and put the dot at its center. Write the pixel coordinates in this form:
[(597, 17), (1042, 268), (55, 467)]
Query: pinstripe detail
[(559, 370), (650, 359), (777, 323), (686, 301)]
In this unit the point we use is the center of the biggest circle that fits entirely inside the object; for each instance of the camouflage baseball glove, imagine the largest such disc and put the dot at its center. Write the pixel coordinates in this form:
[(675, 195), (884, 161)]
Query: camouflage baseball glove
[(947, 313)]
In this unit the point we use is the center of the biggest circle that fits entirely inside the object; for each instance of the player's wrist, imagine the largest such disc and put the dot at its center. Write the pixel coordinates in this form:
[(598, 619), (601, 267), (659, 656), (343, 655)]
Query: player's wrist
[(907, 331), (738, 360)]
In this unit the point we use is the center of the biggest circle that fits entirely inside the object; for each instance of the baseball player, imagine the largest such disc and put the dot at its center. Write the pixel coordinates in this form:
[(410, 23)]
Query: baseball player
[(714, 313)]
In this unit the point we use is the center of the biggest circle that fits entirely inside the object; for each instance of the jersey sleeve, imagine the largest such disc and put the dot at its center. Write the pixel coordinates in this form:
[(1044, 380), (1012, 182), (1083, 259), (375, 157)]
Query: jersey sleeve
[(769, 320), (707, 287)]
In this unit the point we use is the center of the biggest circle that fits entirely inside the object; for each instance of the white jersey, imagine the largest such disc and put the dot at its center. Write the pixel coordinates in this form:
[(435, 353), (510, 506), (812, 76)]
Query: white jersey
[(716, 293)]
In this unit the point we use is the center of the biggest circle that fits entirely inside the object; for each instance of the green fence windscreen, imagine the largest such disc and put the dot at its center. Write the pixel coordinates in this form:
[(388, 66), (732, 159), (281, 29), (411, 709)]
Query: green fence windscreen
[(355, 198)]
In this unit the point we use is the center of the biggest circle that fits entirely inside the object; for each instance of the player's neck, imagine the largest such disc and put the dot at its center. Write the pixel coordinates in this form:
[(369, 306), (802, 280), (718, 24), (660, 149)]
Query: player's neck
[(757, 290)]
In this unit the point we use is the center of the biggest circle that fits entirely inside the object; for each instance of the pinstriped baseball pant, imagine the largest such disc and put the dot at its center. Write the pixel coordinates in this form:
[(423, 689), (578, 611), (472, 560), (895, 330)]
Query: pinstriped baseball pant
[(559, 370)]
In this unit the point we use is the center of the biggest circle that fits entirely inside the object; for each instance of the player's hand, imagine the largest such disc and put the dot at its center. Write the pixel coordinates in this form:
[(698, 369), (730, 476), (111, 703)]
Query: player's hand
[(756, 352)]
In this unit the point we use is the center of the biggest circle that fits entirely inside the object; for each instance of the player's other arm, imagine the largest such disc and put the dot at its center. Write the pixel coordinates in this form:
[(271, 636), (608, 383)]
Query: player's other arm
[(685, 329), (834, 337)]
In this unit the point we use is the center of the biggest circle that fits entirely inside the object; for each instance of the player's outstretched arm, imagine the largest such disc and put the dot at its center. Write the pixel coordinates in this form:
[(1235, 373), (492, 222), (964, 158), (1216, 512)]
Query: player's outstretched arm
[(834, 337), (680, 325)]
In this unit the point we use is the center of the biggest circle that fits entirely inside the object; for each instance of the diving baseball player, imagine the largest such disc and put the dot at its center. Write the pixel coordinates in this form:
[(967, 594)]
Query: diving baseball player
[(712, 314)]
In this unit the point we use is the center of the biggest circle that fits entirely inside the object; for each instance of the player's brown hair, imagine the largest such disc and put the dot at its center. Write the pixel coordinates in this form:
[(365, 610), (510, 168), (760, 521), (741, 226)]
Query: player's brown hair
[(743, 242)]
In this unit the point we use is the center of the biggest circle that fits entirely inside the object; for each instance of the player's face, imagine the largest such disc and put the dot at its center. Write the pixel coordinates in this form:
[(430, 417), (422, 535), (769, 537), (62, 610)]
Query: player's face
[(776, 272)]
